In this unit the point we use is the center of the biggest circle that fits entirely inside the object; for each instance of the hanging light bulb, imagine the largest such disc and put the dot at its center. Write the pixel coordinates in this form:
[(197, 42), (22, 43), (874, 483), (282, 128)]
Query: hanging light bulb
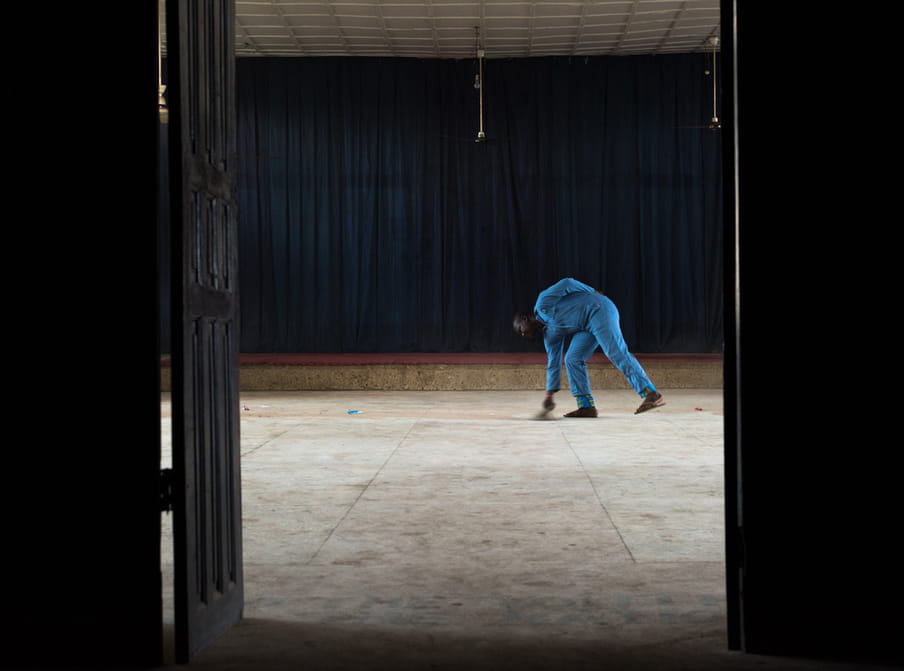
[(478, 84), (714, 123), (162, 109)]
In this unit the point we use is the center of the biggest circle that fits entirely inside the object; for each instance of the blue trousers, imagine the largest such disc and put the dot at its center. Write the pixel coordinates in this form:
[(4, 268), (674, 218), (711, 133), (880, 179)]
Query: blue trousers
[(603, 329)]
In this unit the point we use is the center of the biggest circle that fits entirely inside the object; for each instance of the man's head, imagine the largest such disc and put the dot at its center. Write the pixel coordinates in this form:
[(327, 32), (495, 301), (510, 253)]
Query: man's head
[(526, 325)]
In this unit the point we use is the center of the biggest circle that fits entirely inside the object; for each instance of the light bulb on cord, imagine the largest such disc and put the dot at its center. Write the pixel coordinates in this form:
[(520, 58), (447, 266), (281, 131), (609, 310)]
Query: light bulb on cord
[(162, 109)]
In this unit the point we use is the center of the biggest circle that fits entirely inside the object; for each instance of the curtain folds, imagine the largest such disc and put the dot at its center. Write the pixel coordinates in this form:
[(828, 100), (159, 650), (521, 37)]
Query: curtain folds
[(371, 221)]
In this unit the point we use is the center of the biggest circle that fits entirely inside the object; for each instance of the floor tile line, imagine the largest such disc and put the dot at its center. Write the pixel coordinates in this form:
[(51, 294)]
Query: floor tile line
[(361, 493), (598, 497), (269, 440)]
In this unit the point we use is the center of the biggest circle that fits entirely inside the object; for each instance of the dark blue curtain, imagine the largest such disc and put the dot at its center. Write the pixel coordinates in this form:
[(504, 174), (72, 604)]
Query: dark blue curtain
[(371, 220)]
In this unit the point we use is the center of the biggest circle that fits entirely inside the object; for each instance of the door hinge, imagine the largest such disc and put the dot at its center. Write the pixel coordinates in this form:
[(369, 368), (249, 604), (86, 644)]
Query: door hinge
[(166, 490)]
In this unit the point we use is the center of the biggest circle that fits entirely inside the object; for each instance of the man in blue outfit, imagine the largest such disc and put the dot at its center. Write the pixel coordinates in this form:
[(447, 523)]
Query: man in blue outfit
[(572, 309)]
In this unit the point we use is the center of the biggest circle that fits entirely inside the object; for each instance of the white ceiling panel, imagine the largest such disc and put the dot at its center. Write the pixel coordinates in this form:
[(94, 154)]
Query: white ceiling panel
[(454, 28)]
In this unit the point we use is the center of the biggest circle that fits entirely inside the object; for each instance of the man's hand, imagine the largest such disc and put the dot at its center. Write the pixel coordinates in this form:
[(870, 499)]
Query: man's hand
[(548, 403)]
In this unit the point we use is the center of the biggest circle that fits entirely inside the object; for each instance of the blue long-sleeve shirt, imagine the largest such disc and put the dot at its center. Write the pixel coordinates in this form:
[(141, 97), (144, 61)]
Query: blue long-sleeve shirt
[(562, 309)]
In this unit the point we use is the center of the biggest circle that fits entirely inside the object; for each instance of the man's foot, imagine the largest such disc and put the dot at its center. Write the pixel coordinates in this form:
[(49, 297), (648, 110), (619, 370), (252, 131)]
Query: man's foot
[(582, 412), (652, 400)]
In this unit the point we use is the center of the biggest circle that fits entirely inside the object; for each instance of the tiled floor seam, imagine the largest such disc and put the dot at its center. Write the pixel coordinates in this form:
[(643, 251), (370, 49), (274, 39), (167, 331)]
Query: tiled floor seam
[(362, 492), (598, 498)]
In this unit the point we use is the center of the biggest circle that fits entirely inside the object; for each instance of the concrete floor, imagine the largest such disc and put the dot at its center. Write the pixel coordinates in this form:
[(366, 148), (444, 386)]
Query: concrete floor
[(449, 530)]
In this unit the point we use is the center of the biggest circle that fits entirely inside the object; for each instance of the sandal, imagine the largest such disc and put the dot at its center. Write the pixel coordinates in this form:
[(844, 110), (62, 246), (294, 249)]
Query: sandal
[(652, 400), (582, 412)]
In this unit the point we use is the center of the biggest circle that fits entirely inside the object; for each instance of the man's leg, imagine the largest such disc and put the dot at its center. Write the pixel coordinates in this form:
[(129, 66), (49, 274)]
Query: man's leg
[(613, 346), (607, 331), (582, 346)]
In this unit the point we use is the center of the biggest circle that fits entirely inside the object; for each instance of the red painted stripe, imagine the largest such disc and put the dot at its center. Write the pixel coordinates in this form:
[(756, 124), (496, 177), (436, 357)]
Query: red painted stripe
[(472, 358)]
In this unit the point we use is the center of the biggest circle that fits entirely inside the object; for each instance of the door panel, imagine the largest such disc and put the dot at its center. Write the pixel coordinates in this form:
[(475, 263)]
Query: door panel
[(206, 469)]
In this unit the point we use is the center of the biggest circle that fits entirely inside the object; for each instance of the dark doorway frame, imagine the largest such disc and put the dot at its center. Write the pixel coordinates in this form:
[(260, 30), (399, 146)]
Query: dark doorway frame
[(71, 570), (811, 568)]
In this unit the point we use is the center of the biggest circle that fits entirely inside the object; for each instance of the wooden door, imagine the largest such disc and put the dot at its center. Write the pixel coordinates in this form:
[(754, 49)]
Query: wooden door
[(206, 471)]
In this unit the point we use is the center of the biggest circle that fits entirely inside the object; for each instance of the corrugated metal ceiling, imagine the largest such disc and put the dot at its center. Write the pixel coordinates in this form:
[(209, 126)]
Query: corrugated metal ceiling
[(455, 28)]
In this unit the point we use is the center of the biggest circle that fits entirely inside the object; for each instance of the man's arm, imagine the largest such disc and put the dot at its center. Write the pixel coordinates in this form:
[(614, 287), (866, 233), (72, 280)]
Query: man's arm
[(554, 348)]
